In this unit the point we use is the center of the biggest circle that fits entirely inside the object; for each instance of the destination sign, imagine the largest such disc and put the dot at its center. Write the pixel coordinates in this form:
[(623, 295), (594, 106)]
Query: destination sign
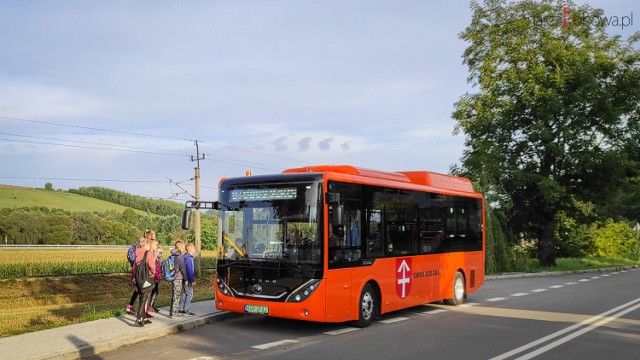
[(263, 194)]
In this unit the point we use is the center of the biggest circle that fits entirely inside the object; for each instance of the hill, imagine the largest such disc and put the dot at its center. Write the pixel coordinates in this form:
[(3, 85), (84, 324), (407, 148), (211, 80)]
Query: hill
[(17, 196)]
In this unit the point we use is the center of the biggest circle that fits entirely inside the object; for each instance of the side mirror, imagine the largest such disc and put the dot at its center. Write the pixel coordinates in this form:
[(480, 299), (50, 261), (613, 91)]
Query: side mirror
[(186, 219), (332, 198)]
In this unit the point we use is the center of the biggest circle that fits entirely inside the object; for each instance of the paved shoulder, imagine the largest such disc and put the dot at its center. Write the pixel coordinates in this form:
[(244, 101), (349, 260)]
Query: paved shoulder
[(84, 339)]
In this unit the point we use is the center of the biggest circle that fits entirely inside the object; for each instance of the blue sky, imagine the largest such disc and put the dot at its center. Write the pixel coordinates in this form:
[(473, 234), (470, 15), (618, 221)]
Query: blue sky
[(263, 85)]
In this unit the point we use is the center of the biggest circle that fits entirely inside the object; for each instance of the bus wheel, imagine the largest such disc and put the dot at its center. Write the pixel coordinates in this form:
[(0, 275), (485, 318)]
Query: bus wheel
[(458, 290), (367, 307)]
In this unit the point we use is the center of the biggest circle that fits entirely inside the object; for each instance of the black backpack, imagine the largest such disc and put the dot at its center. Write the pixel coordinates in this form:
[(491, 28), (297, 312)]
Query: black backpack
[(144, 283)]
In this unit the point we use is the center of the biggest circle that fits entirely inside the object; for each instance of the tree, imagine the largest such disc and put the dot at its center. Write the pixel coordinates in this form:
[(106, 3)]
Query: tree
[(555, 116), (48, 186)]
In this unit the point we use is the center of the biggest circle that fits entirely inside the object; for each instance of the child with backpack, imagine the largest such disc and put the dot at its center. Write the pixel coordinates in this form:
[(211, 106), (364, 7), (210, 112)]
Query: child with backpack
[(156, 279), (145, 270), (131, 257)]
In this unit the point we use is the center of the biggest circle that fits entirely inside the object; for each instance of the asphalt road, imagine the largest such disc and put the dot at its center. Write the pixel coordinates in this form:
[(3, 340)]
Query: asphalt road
[(581, 316)]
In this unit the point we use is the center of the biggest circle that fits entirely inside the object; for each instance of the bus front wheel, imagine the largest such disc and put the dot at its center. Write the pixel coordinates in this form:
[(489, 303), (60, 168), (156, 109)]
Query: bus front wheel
[(367, 307), (458, 290)]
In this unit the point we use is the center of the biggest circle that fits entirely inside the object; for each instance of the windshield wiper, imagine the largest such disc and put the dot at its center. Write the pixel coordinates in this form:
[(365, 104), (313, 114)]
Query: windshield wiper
[(231, 263)]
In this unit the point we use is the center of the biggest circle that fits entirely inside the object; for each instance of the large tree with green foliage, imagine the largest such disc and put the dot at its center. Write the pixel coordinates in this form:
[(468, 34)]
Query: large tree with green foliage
[(555, 115)]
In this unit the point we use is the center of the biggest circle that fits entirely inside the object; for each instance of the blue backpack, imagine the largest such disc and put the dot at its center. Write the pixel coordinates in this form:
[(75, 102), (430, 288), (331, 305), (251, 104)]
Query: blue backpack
[(169, 270), (131, 254)]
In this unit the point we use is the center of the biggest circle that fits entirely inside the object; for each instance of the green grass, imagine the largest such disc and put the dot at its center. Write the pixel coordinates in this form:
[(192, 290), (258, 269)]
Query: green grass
[(574, 264), (17, 196), (32, 304), (593, 263)]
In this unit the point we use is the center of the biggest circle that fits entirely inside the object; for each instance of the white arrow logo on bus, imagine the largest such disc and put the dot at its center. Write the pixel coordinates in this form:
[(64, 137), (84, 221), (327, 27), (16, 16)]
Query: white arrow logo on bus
[(404, 280)]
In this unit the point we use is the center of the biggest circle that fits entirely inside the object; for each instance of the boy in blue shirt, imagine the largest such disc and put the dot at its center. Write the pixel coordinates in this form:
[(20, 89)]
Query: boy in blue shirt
[(187, 284)]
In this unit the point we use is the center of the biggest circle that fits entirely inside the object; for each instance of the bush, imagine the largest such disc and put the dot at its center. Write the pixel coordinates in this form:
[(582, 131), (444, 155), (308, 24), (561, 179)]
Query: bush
[(574, 240), (497, 255), (614, 239)]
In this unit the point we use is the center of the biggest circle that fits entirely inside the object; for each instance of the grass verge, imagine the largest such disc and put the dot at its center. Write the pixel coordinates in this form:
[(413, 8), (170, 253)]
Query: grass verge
[(32, 304), (573, 264)]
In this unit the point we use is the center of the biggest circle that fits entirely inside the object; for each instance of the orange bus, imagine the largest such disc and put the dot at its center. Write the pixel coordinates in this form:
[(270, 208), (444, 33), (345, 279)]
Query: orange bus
[(345, 244)]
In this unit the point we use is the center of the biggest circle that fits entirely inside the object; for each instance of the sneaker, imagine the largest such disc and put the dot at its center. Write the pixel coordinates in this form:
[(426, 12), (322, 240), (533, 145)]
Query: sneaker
[(148, 315), (130, 309), (147, 321), (175, 315), (189, 313), (139, 323), (156, 309), (181, 312)]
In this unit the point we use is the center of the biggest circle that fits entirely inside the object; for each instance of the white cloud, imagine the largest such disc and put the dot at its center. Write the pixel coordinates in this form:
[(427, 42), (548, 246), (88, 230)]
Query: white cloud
[(27, 100)]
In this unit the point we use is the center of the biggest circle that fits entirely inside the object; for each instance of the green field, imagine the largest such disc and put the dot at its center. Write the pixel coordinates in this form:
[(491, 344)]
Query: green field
[(17, 196)]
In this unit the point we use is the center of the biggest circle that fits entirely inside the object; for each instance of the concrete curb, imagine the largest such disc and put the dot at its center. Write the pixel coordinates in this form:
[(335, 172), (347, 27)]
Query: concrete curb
[(94, 337), (116, 342)]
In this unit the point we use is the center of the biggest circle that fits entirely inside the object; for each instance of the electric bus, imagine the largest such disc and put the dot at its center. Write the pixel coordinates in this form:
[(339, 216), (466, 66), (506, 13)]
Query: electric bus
[(346, 244)]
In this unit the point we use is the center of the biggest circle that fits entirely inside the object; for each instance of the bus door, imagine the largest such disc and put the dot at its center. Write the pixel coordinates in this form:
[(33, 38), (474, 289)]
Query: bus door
[(339, 295)]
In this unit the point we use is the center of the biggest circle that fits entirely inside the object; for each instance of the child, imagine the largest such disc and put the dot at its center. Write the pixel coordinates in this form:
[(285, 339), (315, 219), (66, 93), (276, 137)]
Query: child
[(187, 284), (148, 235), (145, 252), (156, 279), (181, 274)]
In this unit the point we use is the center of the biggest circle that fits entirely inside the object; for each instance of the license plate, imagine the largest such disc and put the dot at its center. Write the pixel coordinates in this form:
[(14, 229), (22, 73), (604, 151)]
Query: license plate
[(256, 309)]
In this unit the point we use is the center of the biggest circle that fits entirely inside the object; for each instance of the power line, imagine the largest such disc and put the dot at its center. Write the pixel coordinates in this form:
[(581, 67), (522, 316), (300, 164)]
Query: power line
[(169, 152), (91, 147), (254, 152), (83, 179), (242, 165), (93, 143), (153, 136), (92, 128)]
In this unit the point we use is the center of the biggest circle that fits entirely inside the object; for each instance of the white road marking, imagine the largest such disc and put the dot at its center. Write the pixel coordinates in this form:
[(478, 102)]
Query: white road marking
[(341, 331), (556, 286), (469, 304), (594, 322), (571, 283), (497, 299), (274, 344), (595, 277), (584, 280), (519, 294), (538, 290), (394, 320), (606, 275), (436, 311)]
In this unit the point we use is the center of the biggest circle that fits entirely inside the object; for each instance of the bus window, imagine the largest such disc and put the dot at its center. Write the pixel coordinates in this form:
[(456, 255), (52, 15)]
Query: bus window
[(345, 240), (375, 243)]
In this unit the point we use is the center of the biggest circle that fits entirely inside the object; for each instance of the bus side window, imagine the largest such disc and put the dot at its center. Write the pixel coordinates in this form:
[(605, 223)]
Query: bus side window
[(375, 245)]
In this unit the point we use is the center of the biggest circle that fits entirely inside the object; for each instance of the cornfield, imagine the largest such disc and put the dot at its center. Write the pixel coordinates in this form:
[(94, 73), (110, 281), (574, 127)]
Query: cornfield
[(25, 263)]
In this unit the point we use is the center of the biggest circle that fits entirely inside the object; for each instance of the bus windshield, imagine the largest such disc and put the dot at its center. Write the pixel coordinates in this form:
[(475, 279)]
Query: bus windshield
[(263, 222)]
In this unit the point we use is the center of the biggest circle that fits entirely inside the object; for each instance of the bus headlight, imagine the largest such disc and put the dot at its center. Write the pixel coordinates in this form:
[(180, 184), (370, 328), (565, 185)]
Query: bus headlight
[(224, 289), (303, 292)]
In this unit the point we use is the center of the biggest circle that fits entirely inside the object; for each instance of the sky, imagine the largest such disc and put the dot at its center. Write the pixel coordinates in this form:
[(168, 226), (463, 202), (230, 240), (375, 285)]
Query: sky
[(116, 93)]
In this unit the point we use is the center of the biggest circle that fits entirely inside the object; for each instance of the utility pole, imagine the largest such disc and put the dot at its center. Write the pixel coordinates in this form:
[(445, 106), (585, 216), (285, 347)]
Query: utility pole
[(197, 212)]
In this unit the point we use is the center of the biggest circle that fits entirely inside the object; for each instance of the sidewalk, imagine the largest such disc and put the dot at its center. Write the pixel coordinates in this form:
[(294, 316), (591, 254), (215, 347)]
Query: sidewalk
[(93, 337)]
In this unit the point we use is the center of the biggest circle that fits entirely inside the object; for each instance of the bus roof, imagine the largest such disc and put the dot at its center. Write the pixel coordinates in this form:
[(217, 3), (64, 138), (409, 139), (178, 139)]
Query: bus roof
[(424, 178)]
